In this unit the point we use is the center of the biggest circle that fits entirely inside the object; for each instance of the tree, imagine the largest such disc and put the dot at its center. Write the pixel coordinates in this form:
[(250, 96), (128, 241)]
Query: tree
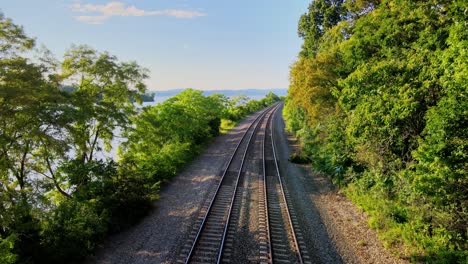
[(321, 16), (54, 189), (28, 100), (270, 98), (103, 101), (440, 178), (165, 136), (379, 93)]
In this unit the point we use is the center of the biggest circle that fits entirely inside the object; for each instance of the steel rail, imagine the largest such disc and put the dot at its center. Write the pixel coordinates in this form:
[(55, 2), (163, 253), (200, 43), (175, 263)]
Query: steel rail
[(282, 190), (267, 219), (237, 183), (202, 225)]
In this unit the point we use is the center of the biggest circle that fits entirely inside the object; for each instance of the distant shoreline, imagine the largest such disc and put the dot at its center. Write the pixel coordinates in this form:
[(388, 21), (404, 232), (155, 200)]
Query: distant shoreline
[(227, 92)]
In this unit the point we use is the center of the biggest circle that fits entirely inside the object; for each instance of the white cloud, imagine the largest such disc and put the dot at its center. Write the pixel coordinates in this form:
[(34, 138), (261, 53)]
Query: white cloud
[(104, 12), (91, 19)]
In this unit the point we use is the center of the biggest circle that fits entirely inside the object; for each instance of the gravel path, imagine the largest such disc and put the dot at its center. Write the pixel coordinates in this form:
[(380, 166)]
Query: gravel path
[(158, 237), (337, 230)]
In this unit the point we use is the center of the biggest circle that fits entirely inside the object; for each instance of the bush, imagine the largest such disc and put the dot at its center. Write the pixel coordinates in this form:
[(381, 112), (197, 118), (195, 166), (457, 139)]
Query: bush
[(72, 231), (7, 246), (299, 158)]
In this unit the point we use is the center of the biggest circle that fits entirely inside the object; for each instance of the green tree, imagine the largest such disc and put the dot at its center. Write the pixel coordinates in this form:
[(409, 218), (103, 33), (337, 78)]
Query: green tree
[(166, 136), (270, 98), (6, 247), (321, 16), (440, 180), (28, 100), (102, 103), (55, 191), (379, 93)]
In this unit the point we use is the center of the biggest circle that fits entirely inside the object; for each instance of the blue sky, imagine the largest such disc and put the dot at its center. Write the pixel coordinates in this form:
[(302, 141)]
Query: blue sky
[(203, 44)]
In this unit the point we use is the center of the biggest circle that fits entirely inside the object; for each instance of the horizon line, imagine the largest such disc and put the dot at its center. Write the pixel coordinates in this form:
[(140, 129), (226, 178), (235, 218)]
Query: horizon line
[(231, 89)]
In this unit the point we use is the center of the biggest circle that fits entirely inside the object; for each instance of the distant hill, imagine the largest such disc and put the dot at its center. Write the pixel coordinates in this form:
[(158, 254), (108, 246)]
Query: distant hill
[(248, 92), (147, 97)]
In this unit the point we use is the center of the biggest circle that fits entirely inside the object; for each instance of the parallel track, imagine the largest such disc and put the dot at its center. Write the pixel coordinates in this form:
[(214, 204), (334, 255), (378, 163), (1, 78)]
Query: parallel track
[(286, 243), (208, 244)]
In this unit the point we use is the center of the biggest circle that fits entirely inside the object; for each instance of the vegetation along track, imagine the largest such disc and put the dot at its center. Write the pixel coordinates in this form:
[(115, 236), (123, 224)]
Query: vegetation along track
[(209, 239)]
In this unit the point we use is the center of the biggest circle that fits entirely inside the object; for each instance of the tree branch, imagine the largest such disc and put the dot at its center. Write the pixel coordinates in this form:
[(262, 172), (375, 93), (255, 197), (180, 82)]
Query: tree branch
[(54, 179), (23, 161), (94, 143)]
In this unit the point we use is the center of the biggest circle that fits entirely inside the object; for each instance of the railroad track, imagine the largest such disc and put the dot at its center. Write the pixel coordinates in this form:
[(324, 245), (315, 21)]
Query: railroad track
[(284, 242), (209, 239), (280, 239)]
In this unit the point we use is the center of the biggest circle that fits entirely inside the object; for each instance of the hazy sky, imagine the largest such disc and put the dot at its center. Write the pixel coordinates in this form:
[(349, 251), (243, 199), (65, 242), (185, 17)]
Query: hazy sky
[(203, 44)]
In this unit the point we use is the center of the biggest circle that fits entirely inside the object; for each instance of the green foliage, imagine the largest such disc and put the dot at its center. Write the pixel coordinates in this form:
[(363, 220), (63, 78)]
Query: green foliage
[(167, 135), (379, 98), (104, 99), (294, 116), (270, 99), (13, 38), (76, 224), (57, 201), (240, 106), (321, 16), (226, 125), (299, 158), (7, 245), (442, 155), (130, 199)]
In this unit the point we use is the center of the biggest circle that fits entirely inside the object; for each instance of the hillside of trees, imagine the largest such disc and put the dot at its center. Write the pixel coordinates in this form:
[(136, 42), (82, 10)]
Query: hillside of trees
[(58, 197), (379, 100)]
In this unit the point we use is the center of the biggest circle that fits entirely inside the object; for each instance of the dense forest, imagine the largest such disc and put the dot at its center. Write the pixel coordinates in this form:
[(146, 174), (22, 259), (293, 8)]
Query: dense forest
[(60, 193), (379, 99)]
